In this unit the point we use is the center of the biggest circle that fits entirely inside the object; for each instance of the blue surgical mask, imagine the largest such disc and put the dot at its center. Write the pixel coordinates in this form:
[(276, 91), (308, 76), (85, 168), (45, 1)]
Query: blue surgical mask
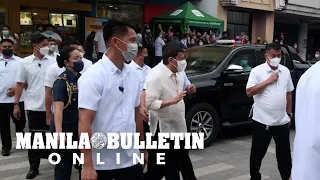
[(5, 32), (49, 32)]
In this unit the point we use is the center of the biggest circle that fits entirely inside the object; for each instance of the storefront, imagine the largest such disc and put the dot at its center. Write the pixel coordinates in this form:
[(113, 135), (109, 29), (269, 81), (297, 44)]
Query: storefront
[(25, 18)]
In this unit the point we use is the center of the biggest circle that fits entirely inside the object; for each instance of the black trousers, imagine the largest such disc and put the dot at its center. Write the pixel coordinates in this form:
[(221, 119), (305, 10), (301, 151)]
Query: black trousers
[(176, 160), (36, 121), (63, 170), (99, 56), (131, 173), (6, 111), (261, 138)]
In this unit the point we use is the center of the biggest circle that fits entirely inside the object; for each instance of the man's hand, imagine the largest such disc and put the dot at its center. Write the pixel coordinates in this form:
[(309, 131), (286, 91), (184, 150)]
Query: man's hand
[(88, 173), (48, 118), (17, 112), (145, 158), (273, 78), (179, 97), (144, 113), (10, 92), (191, 89)]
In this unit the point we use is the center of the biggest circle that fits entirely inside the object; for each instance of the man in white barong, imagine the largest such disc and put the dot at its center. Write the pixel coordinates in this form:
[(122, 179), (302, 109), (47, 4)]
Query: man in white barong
[(306, 150)]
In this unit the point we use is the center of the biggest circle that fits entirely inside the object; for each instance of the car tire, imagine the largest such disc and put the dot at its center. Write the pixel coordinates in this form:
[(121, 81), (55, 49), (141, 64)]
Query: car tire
[(205, 111)]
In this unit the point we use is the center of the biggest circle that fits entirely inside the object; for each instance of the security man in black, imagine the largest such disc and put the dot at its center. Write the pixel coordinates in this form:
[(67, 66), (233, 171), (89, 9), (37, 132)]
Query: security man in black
[(66, 116)]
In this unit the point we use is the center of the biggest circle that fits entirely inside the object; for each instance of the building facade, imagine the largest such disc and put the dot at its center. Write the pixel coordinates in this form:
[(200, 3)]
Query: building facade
[(299, 21)]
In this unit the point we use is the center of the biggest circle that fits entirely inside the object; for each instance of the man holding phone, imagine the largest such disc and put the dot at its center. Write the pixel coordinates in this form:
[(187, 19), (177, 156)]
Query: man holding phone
[(271, 86)]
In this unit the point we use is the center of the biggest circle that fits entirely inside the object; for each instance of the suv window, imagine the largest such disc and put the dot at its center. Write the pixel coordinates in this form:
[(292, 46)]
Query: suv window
[(245, 58), (205, 58)]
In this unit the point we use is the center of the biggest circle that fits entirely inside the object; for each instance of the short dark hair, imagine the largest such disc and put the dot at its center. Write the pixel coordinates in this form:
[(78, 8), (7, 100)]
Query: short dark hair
[(51, 39), (64, 55), (49, 26), (7, 40), (6, 26), (115, 27), (64, 44), (273, 46), (37, 38), (171, 49)]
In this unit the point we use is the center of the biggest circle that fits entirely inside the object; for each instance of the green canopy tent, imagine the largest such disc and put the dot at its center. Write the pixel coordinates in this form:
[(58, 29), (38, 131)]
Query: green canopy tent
[(189, 14)]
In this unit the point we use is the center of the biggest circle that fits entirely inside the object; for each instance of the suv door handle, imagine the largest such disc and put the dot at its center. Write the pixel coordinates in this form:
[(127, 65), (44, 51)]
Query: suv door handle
[(228, 84)]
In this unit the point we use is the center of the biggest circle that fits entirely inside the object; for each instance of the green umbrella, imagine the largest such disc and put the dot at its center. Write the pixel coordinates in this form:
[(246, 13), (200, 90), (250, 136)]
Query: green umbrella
[(189, 14)]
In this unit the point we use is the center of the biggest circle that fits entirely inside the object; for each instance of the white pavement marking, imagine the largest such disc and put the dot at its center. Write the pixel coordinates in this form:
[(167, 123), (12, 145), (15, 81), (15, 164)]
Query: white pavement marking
[(246, 177), (14, 155), (195, 158), (18, 165), (248, 145), (43, 174), (199, 172)]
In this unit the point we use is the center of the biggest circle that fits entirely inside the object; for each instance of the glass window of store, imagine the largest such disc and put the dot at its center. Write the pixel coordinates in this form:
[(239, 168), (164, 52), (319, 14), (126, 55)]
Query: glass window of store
[(127, 11), (239, 22)]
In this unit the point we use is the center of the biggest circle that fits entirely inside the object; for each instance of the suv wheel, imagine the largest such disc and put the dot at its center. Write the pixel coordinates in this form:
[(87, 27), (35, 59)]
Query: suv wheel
[(203, 118)]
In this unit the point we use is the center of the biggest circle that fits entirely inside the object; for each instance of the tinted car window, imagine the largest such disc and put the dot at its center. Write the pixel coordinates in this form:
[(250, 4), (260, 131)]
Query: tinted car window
[(244, 58), (205, 58)]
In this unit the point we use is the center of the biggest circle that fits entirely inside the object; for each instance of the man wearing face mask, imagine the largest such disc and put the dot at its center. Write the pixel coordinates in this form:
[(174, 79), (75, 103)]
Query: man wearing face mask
[(49, 33), (271, 86), (159, 43), (9, 65), (109, 103), (164, 97), (87, 63), (32, 71), (52, 48), (317, 56)]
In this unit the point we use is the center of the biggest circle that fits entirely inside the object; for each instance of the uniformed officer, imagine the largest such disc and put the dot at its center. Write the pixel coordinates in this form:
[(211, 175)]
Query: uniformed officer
[(65, 96)]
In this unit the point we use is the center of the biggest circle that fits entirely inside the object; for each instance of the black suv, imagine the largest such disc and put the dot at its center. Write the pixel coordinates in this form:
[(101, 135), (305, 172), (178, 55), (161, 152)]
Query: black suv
[(220, 73)]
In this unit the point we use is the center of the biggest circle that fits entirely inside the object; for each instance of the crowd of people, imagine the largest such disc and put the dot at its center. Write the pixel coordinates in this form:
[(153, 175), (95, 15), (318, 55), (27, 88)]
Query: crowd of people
[(65, 92)]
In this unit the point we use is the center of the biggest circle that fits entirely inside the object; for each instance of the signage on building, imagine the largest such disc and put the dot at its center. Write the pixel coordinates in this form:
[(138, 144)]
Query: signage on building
[(228, 2)]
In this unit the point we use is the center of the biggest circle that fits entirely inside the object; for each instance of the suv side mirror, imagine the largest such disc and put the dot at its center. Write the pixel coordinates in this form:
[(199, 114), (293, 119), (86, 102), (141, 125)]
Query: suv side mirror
[(234, 69)]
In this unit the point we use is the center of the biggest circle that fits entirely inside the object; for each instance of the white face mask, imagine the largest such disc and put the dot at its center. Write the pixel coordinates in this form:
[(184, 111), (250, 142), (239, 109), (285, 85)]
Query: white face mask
[(52, 48), (200, 43), (317, 55), (182, 65), (81, 54), (131, 52), (274, 62), (44, 50)]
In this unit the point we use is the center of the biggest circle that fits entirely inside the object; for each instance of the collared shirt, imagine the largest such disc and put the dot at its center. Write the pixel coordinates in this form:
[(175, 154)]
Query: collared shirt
[(99, 91), (164, 85), (54, 71), (60, 93), (270, 104), (101, 44), (32, 70), (8, 72), (182, 76), (306, 149), (159, 43), (54, 55), (143, 71)]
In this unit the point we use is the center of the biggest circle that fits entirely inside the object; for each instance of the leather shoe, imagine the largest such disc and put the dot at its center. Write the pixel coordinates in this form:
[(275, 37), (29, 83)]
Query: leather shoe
[(32, 174), (5, 152)]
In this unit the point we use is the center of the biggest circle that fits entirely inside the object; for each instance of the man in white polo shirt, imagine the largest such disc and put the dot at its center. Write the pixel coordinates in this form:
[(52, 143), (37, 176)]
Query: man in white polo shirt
[(32, 70), (271, 86), (9, 65), (109, 98)]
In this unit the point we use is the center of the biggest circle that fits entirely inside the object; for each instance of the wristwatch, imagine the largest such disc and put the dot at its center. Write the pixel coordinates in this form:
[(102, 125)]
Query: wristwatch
[(16, 104), (290, 115)]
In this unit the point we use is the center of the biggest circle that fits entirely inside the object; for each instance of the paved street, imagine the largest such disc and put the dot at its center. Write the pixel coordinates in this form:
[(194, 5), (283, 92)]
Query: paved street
[(226, 159)]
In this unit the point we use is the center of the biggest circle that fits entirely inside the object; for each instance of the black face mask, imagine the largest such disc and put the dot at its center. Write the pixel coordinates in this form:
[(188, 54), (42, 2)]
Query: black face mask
[(78, 66), (7, 52)]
